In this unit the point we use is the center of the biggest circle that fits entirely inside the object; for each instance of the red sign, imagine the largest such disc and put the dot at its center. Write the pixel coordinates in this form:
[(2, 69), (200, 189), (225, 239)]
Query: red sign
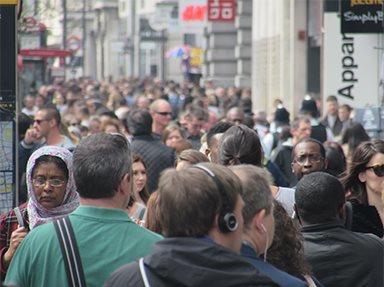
[(194, 13), (45, 53), (221, 10)]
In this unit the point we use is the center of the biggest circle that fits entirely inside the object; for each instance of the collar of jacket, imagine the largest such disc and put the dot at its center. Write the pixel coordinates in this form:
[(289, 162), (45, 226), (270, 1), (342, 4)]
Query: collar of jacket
[(336, 223)]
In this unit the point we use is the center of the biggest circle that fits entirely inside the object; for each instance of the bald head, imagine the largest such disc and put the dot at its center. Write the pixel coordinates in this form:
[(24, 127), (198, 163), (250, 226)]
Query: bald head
[(161, 112)]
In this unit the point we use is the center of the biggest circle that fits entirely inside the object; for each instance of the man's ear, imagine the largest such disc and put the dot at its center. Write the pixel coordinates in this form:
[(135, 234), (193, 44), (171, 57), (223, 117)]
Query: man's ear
[(125, 185), (342, 212), (207, 151), (326, 163), (257, 221)]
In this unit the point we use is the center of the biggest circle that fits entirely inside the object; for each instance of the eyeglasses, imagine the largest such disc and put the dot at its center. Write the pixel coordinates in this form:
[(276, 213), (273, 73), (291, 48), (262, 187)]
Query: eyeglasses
[(40, 182), (164, 113), (40, 121), (312, 158), (377, 169)]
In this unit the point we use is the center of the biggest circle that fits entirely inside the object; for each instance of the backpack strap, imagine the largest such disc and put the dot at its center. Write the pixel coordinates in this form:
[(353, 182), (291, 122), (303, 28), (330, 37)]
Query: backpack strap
[(70, 252)]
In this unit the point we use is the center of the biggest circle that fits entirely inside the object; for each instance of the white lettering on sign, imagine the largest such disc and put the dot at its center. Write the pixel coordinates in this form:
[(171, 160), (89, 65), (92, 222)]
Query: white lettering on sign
[(352, 17)]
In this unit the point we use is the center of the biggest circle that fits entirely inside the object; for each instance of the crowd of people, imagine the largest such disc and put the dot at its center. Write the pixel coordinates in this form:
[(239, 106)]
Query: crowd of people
[(148, 183)]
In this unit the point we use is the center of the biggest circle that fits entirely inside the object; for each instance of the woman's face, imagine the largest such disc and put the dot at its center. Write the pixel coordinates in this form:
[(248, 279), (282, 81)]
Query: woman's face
[(49, 184), (173, 139), (373, 182), (139, 176)]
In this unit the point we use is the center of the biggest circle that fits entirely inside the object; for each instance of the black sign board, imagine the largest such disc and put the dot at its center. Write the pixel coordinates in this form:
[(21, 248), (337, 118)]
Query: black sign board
[(362, 16), (147, 33), (7, 106)]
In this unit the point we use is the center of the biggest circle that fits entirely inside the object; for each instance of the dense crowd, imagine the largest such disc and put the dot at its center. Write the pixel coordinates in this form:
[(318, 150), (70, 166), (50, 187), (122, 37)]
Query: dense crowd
[(149, 183)]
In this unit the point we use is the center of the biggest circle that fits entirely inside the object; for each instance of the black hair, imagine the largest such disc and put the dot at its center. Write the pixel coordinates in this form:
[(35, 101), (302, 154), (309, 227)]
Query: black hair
[(336, 160), (139, 122), (310, 140), (51, 159), (318, 197), (240, 145), (354, 135), (218, 128)]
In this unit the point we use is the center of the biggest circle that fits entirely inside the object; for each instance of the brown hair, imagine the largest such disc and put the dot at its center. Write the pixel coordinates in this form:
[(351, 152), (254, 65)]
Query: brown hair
[(144, 193), (286, 251), (111, 122), (152, 220), (192, 156), (191, 209), (170, 128), (360, 158)]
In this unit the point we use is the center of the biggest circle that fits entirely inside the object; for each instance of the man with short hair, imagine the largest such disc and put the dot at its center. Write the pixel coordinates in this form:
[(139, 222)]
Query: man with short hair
[(308, 156), (282, 156), (345, 115), (338, 257), (105, 235), (202, 223), (213, 138), (331, 119), (161, 112), (155, 154), (235, 115), (259, 223), (29, 106), (195, 118), (45, 131)]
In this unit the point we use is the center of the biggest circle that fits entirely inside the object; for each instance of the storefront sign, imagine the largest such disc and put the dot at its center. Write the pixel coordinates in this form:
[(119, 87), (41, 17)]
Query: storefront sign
[(362, 16), (221, 10)]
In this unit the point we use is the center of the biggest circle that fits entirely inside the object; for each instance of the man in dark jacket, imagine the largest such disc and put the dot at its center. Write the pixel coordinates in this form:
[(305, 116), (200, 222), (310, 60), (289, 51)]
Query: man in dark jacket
[(282, 156), (203, 224), (338, 257), (331, 119), (156, 155)]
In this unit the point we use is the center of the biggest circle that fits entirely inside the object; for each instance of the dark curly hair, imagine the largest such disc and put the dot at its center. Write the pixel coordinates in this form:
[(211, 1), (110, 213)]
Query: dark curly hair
[(286, 251)]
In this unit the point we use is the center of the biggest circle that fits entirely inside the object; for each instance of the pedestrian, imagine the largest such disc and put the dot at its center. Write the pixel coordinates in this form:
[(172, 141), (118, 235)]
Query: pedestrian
[(138, 201), (338, 257), (52, 195), (363, 183), (202, 223), (102, 232), (259, 224), (156, 155)]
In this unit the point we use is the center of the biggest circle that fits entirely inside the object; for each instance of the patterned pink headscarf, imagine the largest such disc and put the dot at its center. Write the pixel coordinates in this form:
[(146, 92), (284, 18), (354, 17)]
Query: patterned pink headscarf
[(37, 213)]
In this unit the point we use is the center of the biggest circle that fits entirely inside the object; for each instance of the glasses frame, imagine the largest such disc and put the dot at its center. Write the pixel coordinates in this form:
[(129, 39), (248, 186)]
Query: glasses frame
[(49, 181), (309, 160)]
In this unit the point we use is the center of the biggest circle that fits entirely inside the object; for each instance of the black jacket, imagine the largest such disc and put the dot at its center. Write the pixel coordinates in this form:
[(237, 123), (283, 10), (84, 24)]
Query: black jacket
[(156, 156), (336, 129), (282, 157), (366, 219), (190, 262), (340, 257)]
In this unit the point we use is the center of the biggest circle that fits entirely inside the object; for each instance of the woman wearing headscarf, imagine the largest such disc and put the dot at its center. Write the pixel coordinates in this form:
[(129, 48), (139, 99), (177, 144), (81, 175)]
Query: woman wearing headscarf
[(52, 195)]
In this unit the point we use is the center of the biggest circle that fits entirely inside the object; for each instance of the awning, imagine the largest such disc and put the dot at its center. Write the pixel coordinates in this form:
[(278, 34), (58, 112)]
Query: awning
[(45, 53)]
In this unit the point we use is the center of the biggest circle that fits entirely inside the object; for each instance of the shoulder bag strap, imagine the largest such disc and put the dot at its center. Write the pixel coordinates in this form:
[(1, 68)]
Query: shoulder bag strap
[(143, 273), (70, 252)]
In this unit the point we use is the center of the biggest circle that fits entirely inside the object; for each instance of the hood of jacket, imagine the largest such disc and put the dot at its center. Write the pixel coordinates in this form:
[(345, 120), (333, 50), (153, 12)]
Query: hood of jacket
[(200, 262)]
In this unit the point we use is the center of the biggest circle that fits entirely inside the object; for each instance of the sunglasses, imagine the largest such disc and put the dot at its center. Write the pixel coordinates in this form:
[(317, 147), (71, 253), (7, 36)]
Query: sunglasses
[(40, 121), (164, 113), (377, 169)]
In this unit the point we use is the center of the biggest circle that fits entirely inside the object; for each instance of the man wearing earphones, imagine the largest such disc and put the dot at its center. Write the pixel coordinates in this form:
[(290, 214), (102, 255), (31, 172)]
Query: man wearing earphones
[(202, 223), (259, 224)]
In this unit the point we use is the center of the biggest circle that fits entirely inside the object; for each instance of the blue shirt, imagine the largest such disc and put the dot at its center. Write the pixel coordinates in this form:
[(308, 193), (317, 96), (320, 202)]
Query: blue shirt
[(280, 277)]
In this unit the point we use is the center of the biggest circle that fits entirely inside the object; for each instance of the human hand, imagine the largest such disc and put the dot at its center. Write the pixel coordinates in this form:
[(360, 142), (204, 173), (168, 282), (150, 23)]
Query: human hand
[(16, 237), (31, 136)]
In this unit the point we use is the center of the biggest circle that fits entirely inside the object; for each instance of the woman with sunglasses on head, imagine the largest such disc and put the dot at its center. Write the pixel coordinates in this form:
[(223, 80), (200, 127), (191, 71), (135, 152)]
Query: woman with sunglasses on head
[(52, 195), (364, 183)]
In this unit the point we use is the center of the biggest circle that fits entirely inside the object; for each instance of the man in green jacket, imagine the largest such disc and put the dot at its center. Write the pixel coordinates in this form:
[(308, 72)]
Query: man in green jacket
[(106, 237)]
